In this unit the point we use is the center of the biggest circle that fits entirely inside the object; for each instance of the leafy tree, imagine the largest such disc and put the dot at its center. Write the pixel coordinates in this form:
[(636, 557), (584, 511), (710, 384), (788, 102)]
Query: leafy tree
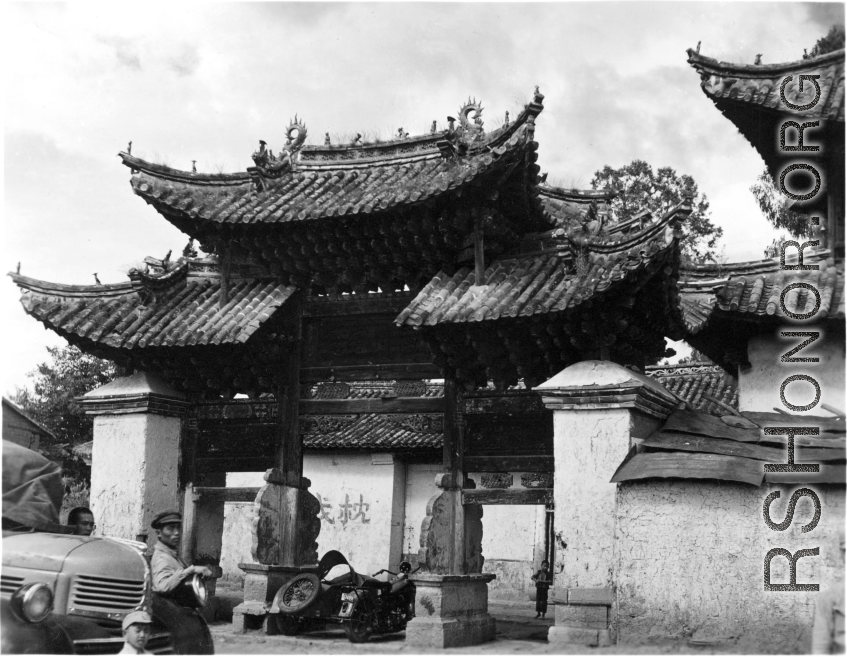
[(639, 187), (834, 40), (774, 206), (70, 373)]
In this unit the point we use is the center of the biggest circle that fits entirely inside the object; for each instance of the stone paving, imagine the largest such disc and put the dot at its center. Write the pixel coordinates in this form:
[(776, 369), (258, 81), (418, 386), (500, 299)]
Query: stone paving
[(517, 632)]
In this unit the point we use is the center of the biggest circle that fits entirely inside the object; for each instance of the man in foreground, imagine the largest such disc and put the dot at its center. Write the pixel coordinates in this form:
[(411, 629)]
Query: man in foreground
[(169, 570)]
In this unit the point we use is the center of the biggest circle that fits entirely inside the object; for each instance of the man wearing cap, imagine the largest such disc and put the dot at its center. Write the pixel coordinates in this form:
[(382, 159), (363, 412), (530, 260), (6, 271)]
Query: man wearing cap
[(136, 628), (168, 569), (828, 628)]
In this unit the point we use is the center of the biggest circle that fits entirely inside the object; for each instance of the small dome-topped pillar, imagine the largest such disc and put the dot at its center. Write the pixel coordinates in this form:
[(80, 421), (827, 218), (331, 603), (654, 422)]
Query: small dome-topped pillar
[(599, 409)]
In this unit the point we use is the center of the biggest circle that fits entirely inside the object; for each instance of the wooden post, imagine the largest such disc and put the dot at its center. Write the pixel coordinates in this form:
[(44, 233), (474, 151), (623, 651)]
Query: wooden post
[(453, 431), (189, 525), (289, 443), (453, 468), (289, 459), (479, 253)]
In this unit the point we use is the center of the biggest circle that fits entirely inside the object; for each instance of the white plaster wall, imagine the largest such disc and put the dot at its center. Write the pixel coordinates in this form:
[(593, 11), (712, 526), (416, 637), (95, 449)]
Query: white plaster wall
[(349, 479), (689, 558), (588, 447), (420, 487), (135, 458), (758, 387), (510, 537)]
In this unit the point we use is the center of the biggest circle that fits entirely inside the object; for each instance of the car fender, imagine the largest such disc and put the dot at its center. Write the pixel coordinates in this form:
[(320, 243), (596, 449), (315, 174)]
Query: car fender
[(189, 631), (54, 635)]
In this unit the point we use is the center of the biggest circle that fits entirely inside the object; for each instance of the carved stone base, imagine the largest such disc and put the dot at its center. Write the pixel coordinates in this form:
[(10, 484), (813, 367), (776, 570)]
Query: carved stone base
[(261, 583), (451, 611)]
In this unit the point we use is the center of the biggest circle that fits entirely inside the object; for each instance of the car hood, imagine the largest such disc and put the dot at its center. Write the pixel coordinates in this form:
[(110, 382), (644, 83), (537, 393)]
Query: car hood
[(78, 554)]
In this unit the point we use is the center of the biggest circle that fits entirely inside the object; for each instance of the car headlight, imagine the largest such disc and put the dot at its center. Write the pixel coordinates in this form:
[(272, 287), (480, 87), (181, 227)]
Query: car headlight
[(33, 602)]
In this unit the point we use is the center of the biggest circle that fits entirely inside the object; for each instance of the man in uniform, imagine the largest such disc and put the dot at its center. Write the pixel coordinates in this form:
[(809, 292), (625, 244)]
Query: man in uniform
[(168, 569)]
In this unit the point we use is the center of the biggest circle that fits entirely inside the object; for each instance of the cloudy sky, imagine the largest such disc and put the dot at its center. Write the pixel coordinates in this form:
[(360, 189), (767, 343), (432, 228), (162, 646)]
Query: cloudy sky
[(206, 81)]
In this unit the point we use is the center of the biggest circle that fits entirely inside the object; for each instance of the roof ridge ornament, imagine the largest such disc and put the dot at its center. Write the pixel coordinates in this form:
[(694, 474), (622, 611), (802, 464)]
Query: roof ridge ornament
[(269, 165)]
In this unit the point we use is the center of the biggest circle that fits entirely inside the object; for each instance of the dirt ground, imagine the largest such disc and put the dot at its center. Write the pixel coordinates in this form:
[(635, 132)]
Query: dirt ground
[(517, 632)]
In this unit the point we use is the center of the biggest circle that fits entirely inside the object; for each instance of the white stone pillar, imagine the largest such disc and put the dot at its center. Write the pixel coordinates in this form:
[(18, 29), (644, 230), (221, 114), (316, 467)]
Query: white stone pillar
[(599, 408), (135, 456)]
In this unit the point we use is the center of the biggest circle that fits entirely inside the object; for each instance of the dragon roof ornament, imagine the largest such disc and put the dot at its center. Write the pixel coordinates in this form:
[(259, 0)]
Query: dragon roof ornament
[(269, 165)]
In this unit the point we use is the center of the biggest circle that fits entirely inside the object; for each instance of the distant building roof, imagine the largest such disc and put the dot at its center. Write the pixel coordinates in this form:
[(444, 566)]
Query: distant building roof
[(11, 407)]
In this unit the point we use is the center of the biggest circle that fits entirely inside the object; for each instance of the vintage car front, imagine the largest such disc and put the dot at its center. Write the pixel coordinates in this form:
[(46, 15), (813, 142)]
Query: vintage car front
[(61, 593), (91, 584)]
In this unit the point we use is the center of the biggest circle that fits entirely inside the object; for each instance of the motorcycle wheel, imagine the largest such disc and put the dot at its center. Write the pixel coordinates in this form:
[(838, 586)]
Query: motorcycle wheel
[(298, 594), (287, 625), (358, 629)]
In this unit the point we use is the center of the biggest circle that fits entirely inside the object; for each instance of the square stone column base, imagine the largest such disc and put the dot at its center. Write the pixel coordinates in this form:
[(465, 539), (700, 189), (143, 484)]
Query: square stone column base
[(451, 611), (261, 583), (583, 617)]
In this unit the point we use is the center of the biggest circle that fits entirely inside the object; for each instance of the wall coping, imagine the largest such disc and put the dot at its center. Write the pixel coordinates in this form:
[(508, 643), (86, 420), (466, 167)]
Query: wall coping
[(595, 384), (140, 393)]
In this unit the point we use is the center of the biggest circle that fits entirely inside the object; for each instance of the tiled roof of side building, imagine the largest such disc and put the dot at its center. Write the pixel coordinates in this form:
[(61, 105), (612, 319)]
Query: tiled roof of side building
[(756, 289), (761, 84), (320, 182), (178, 308), (697, 446), (695, 383), (541, 283)]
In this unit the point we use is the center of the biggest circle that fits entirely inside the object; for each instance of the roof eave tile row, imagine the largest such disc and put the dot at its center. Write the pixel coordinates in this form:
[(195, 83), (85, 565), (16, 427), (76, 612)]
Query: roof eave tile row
[(300, 195), (759, 85), (187, 313), (524, 286)]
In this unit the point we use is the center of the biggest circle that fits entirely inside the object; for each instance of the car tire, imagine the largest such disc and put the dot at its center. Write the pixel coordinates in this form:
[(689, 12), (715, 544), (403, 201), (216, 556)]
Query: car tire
[(298, 594), (287, 625)]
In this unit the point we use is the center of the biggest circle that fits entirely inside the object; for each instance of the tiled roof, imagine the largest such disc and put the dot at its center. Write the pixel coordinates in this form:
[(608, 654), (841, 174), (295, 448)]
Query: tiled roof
[(692, 445), (317, 182), (692, 382), (538, 284), (754, 289), (175, 309), (759, 85), (372, 431)]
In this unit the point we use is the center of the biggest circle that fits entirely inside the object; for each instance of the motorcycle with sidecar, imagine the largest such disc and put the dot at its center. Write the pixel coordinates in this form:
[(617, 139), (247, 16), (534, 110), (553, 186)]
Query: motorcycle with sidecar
[(338, 594)]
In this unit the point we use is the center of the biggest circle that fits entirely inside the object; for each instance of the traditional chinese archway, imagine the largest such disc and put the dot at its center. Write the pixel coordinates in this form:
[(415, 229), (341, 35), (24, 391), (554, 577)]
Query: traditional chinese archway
[(442, 256)]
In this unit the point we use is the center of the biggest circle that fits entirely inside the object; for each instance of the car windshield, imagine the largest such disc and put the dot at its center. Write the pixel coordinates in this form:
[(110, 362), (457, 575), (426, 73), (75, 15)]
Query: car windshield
[(32, 491)]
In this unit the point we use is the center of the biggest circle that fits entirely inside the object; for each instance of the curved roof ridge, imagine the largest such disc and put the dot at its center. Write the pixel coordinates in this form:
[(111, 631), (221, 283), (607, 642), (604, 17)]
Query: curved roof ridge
[(392, 151), (578, 195), (763, 70), (169, 173), (70, 291)]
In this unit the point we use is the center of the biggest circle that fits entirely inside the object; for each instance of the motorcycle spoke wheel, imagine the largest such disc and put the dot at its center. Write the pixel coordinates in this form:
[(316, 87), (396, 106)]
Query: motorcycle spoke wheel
[(360, 626), (298, 594)]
